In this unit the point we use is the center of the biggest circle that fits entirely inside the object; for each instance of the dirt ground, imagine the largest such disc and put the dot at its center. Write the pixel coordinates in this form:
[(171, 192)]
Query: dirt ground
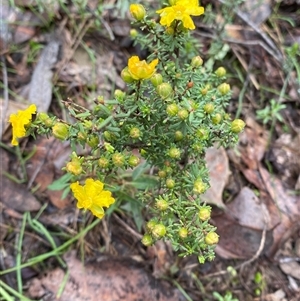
[(52, 51)]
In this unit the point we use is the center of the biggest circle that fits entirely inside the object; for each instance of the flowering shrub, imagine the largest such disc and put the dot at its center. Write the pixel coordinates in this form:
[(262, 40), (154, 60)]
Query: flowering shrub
[(149, 142)]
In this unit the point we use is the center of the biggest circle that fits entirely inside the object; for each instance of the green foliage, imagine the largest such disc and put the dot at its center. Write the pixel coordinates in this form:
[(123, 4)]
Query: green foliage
[(148, 143), (271, 112), (228, 297)]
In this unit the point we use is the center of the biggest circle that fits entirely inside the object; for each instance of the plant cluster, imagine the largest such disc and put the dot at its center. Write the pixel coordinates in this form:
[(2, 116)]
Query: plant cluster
[(149, 142)]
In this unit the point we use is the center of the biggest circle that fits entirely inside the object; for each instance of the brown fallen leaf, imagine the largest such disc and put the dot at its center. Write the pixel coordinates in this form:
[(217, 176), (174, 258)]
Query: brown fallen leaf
[(218, 166), (249, 211), (236, 241), (107, 280), (40, 91), (241, 226), (17, 197)]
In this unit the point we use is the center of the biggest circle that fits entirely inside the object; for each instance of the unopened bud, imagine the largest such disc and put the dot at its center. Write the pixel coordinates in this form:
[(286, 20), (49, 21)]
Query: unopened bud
[(162, 204), (172, 109), (156, 79), (183, 232), (216, 119), (74, 167), (133, 33), (93, 141), (202, 133), (137, 11), (196, 62), (103, 162), (119, 95), (212, 238), (147, 240), (224, 88), (220, 72), (204, 213), (60, 131), (118, 159), (164, 90), (159, 231), (237, 125), (174, 153), (133, 161), (183, 114), (150, 225), (170, 183), (135, 133), (199, 186), (125, 75), (178, 136), (208, 108)]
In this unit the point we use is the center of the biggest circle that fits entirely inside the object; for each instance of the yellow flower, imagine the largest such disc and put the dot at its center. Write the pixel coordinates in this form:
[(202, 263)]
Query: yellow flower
[(19, 121), (140, 69), (181, 10), (91, 196)]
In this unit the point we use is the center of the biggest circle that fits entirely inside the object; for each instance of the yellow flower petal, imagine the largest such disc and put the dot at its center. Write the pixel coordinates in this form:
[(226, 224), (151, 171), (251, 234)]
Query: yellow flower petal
[(141, 69), (181, 11), (91, 196), (19, 121)]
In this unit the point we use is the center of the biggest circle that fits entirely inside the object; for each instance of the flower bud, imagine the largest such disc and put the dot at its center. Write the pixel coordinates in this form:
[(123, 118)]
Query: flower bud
[(162, 204), (220, 72), (88, 124), (137, 11), (174, 153), (118, 159), (199, 186), (135, 133), (172, 109), (103, 162), (133, 33), (202, 133), (119, 95), (159, 231), (125, 75), (42, 116), (133, 161), (216, 119), (190, 85), (162, 174), (183, 232), (224, 88), (156, 79), (107, 136), (169, 31), (196, 62), (178, 136), (74, 167), (49, 123), (108, 147), (183, 114), (60, 131), (82, 136), (164, 90), (168, 169), (237, 125), (197, 147), (170, 183), (150, 225), (212, 238), (204, 213), (208, 108), (93, 141), (147, 240)]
